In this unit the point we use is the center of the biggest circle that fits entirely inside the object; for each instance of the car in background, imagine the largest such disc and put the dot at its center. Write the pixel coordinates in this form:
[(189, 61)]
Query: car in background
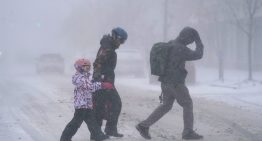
[(130, 63), (50, 63)]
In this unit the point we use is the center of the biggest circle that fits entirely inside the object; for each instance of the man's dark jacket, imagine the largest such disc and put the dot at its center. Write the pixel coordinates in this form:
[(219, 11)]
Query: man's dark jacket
[(106, 60), (178, 55)]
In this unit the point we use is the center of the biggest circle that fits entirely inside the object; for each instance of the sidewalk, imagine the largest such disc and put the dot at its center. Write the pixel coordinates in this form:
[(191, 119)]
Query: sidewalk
[(235, 90)]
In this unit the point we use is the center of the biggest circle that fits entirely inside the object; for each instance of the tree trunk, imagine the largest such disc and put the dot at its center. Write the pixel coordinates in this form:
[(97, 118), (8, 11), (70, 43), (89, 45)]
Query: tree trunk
[(250, 37), (221, 67), (220, 53), (250, 70), (165, 28)]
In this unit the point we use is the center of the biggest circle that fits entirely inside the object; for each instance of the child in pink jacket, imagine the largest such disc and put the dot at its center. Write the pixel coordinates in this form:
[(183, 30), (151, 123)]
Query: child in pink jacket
[(83, 104)]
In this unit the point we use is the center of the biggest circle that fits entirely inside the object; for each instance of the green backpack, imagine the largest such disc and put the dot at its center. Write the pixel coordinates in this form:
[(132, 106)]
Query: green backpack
[(158, 58)]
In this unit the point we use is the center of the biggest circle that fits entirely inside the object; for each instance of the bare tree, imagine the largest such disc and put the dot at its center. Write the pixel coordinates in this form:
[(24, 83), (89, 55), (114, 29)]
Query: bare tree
[(244, 13), (217, 11), (165, 25), (212, 13)]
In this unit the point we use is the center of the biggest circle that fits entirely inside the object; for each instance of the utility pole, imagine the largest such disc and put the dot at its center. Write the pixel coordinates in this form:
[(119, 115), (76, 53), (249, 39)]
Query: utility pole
[(165, 24)]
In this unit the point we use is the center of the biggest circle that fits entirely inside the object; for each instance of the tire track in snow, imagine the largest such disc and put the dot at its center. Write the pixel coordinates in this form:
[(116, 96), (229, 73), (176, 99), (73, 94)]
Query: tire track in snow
[(10, 100), (218, 117)]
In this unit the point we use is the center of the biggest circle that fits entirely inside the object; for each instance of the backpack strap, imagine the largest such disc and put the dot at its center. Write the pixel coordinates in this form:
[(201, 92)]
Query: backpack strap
[(161, 97), (168, 54)]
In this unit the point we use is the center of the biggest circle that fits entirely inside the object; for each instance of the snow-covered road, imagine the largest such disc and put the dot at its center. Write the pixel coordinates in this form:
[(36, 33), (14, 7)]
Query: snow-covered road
[(37, 108)]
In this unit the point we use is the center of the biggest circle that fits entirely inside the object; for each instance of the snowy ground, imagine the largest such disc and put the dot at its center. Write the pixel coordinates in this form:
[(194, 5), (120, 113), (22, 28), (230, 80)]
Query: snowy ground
[(37, 108)]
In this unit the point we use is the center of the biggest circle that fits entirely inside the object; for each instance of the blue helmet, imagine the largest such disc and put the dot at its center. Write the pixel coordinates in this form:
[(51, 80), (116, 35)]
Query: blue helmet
[(120, 33)]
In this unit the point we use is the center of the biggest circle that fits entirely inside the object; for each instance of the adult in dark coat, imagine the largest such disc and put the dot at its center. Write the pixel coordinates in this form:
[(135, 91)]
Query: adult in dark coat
[(173, 83), (104, 66)]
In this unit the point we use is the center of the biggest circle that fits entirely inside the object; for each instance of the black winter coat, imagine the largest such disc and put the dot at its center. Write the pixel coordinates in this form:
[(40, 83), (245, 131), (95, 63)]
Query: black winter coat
[(178, 55), (106, 60)]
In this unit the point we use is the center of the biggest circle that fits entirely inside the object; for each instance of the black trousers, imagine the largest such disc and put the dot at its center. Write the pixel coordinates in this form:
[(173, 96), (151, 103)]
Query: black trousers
[(108, 106), (81, 115)]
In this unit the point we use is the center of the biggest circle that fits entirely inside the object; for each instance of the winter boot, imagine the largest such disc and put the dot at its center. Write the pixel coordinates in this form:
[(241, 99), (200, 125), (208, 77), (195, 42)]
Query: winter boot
[(144, 131), (113, 132), (100, 138), (192, 135)]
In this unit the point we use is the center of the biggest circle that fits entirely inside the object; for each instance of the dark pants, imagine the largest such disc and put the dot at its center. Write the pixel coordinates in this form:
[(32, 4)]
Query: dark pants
[(108, 106), (171, 93), (81, 115)]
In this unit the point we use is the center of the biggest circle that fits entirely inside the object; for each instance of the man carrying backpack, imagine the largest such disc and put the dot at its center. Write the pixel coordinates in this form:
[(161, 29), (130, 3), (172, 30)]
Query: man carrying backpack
[(104, 67), (173, 83)]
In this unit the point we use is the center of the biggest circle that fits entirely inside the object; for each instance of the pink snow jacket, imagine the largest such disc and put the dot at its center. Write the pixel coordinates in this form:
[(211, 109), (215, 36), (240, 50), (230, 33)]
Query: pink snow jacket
[(84, 88)]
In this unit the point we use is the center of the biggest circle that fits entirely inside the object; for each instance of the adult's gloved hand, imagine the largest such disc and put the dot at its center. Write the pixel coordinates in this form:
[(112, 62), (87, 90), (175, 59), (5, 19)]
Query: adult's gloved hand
[(196, 36), (107, 85)]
